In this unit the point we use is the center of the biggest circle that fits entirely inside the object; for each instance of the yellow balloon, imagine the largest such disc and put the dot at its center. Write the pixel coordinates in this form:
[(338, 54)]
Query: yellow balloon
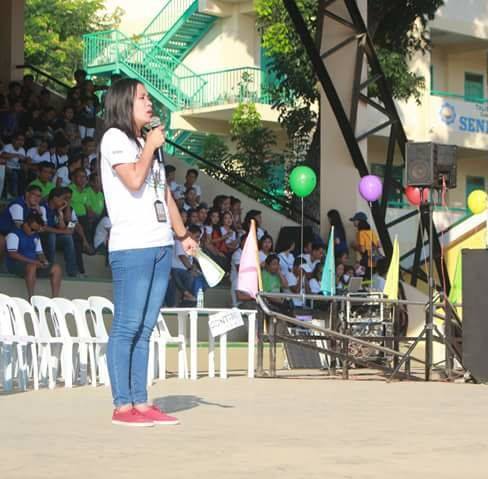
[(477, 201)]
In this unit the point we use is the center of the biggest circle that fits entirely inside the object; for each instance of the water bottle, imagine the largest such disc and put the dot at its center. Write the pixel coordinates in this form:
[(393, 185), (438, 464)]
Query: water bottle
[(200, 298)]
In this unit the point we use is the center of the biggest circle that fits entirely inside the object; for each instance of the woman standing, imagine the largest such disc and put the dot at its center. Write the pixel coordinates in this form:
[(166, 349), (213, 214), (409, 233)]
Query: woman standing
[(340, 242), (143, 213)]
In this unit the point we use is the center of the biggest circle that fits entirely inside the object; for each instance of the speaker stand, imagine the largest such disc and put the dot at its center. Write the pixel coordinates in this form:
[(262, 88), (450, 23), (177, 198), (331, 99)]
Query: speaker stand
[(426, 212)]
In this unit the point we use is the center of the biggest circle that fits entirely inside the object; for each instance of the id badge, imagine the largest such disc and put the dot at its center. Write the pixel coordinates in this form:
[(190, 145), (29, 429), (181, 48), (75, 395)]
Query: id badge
[(160, 213)]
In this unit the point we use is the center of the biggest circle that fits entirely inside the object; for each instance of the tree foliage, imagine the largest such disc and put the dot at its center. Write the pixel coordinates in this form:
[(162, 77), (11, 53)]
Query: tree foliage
[(253, 158), (398, 31), (54, 30)]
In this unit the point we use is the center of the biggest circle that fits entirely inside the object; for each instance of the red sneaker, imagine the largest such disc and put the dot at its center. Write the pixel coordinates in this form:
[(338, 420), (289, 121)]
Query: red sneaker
[(131, 417), (159, 417)]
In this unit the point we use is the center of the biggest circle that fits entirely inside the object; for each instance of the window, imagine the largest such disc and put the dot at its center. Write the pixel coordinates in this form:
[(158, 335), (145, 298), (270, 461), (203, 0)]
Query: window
[(473, 86)]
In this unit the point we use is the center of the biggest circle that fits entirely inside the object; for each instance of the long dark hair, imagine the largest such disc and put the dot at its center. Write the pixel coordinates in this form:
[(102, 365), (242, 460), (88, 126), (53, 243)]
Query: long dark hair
[(118, 113), (119, 106), (336, 221)]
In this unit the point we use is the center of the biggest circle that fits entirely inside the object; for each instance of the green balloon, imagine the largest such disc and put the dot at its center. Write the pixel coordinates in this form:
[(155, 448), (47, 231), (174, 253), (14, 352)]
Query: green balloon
[(303, 180)]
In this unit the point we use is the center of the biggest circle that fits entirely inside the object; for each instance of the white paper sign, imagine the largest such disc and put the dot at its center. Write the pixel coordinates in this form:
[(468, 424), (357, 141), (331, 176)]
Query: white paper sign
[(224, 322)]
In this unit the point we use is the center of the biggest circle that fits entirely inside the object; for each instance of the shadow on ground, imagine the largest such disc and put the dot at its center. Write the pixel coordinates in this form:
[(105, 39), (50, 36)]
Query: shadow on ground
[(172, 404)]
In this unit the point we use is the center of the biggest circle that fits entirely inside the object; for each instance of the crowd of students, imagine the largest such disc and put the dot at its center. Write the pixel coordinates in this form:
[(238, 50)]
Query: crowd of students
[(49, 180)]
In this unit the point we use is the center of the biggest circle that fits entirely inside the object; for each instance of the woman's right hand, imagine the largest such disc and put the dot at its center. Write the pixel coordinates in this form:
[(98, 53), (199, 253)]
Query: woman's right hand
[(155, 138)]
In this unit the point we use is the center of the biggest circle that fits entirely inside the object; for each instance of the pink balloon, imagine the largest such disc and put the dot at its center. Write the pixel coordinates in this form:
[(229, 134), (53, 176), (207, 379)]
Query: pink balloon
[(370, 187)]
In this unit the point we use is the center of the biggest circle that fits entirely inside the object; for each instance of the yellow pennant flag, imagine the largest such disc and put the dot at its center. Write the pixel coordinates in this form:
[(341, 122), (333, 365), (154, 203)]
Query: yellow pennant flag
[(392, 277)]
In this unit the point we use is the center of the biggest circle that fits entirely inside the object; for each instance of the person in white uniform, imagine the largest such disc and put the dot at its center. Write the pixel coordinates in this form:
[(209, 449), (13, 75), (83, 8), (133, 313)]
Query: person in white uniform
[(144, 216)]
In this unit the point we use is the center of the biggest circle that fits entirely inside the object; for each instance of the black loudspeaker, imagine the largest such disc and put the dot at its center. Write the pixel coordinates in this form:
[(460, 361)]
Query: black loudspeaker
[(292, 233), (419, 164), (445, 166), (475, 313), (430, 165)]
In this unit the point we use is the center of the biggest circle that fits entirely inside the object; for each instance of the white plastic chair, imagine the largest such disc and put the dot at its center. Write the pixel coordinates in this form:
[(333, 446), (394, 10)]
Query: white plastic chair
[(160, 338), (26, 343), (53, 319), (48, 346), (86, 355), (12, 362), (98, 305)]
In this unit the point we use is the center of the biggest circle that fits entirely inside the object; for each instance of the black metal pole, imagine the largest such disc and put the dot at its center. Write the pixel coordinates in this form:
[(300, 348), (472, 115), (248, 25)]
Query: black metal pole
[(430, 313)]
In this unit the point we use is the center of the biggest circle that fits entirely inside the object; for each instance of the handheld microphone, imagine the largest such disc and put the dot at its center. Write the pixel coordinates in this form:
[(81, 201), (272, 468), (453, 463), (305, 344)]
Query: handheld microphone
[(155, 123)]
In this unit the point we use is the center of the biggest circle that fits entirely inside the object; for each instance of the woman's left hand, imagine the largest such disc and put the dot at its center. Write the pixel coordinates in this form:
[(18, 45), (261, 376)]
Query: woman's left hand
[(190, 246)]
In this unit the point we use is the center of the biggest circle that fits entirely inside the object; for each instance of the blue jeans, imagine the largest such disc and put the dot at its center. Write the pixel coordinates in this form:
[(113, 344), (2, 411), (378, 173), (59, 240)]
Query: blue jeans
[(140, 278), (68, 245)]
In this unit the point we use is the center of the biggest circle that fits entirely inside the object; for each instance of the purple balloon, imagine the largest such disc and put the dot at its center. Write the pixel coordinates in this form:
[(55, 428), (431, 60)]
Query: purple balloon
[(370, 187)]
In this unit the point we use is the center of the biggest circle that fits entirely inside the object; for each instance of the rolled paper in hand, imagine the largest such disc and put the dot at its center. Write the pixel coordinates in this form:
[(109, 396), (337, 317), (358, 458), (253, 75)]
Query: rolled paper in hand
[(212, 272)]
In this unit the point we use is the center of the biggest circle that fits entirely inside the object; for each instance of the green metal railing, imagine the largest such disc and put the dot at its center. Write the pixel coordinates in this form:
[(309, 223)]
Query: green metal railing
[(114, 50), (166, 18), (233, 85), (457, 96)]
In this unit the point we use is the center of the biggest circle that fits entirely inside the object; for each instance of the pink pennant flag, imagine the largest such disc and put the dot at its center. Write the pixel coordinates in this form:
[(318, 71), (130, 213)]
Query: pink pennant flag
[(249, 277)]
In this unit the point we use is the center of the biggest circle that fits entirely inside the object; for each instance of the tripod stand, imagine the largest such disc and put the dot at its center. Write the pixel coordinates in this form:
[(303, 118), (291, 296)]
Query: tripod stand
[(426, 226)]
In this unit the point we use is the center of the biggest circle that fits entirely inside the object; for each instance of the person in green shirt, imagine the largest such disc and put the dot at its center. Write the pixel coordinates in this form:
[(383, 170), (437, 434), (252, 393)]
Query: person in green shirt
[(275, 282), (78, 186), (43, 181), (96, 199), (80, 202)]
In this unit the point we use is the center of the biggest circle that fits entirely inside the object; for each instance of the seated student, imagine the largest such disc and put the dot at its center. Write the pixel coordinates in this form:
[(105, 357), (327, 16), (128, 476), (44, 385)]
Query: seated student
[(379, 276), (307, 250), (185, 273), (16, 212), (96, 199), (190, 199), (59, 232), (348, 274), (67, 125), (192, 217), (43, 181), (190, 182), (297, 283), (212, 237), (36, 155), (202, 212), (89, 153), (314, 284), (316, 256), (256, 216), (63, 176), (221, 203), (79, 202), (175, 188), (13, 119), (102, 234), (81, 242), (236, 210), (286, 256), (14, 154), (60, 155), (225, 238), (340, 271), (26, 259), (274, 281), (265, 245)]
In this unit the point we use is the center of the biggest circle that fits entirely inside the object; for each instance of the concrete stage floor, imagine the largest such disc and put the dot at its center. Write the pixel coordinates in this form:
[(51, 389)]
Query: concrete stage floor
[(300, 427)]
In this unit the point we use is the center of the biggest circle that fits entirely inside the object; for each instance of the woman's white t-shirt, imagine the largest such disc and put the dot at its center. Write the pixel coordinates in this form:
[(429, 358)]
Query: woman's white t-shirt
[(132, 214)]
